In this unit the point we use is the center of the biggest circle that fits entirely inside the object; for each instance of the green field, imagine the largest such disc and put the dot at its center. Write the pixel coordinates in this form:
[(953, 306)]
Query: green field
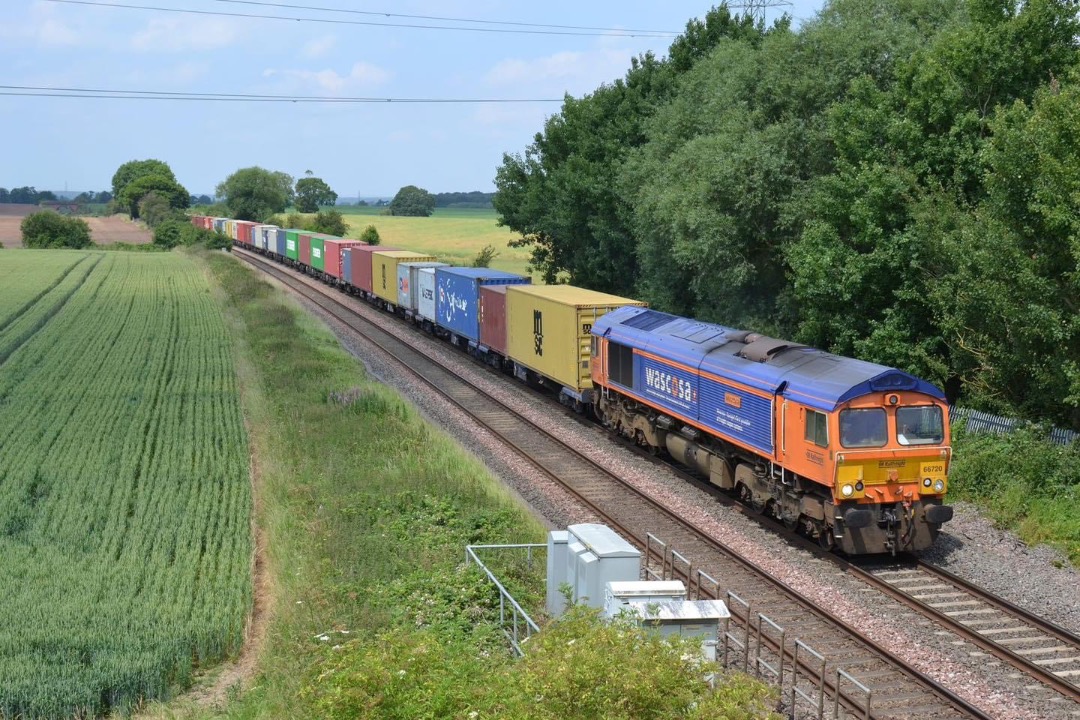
[(452, 235), (125, 499)]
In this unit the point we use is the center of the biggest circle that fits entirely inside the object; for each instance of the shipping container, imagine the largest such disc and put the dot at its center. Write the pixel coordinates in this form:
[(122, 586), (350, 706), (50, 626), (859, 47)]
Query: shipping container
[(384, 274), (493, 317), (548, 331), (457, 297), (318, 258), (278, 247), (425, 301), (305, 249), (359, 273), (292, 244), (334, 251), (408, 283)]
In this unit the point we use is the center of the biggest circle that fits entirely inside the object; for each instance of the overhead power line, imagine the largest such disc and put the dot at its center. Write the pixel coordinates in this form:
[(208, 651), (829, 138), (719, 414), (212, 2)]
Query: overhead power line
[(107, 94), (369, 23), (439, 18)]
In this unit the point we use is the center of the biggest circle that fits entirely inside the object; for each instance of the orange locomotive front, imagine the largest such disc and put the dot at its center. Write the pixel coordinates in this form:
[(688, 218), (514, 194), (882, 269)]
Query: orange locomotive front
[(852, 453)]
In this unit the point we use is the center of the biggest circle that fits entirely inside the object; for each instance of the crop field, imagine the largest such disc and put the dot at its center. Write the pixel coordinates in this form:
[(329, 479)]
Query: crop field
[(452, 235), (125, 550)]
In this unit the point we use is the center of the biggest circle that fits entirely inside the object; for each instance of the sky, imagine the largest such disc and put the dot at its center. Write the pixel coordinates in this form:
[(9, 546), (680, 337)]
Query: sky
[(370, 149)]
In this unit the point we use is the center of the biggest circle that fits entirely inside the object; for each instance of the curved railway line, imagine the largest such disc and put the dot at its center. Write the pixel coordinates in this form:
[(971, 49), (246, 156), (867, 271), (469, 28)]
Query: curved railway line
[(815, 658)]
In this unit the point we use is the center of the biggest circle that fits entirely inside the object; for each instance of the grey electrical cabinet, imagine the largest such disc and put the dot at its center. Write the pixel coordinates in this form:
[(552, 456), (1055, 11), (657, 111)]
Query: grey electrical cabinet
[(556, 571), (595, 556)]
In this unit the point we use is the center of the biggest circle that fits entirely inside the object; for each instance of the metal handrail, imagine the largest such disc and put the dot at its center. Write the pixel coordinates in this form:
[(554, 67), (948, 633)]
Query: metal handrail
[(514, 634)]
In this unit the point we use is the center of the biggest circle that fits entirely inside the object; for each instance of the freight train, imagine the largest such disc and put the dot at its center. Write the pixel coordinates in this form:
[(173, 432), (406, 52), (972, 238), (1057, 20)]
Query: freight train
[(853, 454)]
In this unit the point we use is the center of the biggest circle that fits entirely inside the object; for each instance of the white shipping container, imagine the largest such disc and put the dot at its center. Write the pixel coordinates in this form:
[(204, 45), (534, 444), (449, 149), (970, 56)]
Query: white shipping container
[(425, 305), (409, 283)]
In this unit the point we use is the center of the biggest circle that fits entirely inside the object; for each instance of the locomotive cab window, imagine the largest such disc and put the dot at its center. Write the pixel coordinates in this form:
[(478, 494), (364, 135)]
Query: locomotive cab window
[(861, 428), (817, 428), (919, 425)]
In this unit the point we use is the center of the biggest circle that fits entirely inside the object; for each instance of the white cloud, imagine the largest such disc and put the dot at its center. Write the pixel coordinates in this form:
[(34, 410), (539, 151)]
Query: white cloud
[(43, 27), (329, 82), (185, 35), (572, 72), (320, 46)]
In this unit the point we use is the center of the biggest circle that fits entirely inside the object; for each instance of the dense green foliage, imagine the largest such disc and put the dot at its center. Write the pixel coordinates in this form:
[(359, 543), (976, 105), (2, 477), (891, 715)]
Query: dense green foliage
[(896, 181), (474, 199), (413, 202), (136, 179), (255, 194), (580, 668), (484, 256), (25, 195), (124, 484), (370, 235), (328, 222), (47, 229), (179, 231), (312, 193), (1023, 482)]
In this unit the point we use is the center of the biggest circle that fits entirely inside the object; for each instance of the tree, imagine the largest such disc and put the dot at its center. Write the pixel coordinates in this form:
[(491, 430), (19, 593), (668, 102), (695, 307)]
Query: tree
[(164, 185), (154, 208), (329, 222), (255, 193), (370, 235), (135, 169), (201, 200), (48, 229), (311, 193), (484, 256), (413, 202)]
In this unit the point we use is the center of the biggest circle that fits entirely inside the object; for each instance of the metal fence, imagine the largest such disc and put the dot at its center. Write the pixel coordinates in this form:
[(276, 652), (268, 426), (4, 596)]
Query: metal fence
[(981, 422)]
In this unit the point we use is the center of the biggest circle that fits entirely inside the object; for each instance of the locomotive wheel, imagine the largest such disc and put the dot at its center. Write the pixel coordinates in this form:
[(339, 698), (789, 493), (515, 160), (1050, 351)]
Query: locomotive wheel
[(825, 538)]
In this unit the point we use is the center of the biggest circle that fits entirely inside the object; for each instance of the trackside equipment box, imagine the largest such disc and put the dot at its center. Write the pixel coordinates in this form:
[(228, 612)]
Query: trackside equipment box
[(549, 331), (595, 556)]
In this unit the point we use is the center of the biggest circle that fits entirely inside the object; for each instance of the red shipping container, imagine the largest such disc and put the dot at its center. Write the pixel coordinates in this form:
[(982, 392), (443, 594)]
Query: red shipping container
[(305, 249), (333, 252), (360, 265), (244, 231), (493, 317)]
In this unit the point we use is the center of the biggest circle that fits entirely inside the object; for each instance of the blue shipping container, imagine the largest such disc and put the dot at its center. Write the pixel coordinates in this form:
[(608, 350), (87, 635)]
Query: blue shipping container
[(457, 300), (279, 242)]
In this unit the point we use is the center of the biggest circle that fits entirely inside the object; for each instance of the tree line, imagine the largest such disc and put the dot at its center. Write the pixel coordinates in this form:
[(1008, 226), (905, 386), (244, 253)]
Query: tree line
[(895, 180), (25, 196)]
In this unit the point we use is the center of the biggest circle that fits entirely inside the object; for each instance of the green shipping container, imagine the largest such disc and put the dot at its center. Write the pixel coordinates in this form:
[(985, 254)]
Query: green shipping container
[(318, 258), (292, 244)]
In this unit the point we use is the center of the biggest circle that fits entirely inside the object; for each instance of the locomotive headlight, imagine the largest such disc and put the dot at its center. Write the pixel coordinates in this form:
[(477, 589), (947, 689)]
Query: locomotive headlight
[(939, 486), (847, 491), (927, 482), (859, 486)]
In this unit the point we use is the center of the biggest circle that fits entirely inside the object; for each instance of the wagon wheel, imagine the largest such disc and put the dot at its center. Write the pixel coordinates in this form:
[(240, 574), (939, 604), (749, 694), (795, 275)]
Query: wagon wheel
[(825, 537)]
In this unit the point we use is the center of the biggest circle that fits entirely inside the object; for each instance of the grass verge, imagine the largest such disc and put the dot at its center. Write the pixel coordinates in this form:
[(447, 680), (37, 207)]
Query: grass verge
[(365, 510), (1024, 483)]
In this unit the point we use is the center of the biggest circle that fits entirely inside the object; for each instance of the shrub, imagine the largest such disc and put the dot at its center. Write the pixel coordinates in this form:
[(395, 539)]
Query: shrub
[(485, 256), (329, 222), (173, 232), (370, 235), (47, 229)]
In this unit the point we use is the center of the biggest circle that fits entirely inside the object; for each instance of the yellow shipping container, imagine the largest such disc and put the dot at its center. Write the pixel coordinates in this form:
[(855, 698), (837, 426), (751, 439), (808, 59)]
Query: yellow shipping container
[(548, 330), (384, 271)]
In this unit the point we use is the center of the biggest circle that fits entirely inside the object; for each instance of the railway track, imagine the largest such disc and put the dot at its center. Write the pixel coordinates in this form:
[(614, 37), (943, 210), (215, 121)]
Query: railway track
[(1033, 645), (819, 662)]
